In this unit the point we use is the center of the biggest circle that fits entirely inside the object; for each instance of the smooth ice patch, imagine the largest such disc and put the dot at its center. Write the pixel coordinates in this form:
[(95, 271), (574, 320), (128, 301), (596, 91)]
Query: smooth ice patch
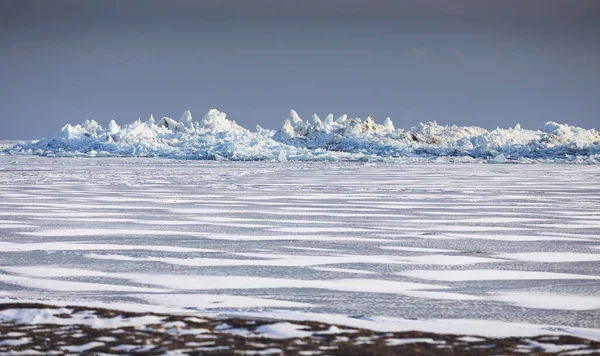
[(551, 257), (417, 249), (448, 260), (489, 275), (452, 228), (53, 271), (549, 301), (239, 237), (104, 232), (16, 226), (82, 246), (268, 260), (195, 282), (60, 214), (581, 225), (441, 295), (211, 301), (242, 225), (204, 211), (184, 282), (70, 286), (511, 237), (343, 270), (326, 209), (317, 229), (329, 214), (310, 249), (278, 260)]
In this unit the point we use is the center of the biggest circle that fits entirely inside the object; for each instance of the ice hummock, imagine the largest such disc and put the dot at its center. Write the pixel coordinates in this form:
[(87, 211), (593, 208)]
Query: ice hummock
[(215, 137)]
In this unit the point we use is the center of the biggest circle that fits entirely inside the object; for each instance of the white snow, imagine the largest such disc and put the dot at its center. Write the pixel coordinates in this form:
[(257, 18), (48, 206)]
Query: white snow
[(552, 348), (470, 339), (83, 347), (15, 342), (215, 137), (396, 342), (283, 330), (35, 316), (25, 352)]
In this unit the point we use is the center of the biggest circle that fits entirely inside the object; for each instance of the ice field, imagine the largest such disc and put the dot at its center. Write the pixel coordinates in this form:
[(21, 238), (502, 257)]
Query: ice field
[(441, 247)]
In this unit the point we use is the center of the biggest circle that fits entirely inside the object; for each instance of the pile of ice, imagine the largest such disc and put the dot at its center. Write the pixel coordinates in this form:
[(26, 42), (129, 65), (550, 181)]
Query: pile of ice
[(217, 138)]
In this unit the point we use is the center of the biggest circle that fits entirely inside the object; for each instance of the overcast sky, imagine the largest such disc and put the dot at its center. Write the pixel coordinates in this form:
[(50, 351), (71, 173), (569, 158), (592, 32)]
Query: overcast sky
[(485, 63)]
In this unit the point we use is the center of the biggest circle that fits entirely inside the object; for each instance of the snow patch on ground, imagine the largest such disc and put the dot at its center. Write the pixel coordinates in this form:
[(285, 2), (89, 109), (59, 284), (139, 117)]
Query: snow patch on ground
[(283, 330), (36, 316)]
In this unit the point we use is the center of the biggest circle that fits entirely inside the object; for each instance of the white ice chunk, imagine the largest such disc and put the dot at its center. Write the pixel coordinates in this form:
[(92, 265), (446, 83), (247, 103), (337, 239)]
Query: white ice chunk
[(217, 138)]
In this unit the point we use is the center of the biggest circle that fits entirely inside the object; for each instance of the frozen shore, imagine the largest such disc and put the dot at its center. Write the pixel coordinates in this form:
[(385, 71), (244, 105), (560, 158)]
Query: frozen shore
[(38, 329)]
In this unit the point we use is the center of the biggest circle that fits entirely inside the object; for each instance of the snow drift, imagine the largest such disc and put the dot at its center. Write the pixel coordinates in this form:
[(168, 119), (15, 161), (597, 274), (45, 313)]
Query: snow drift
[(215, 137)]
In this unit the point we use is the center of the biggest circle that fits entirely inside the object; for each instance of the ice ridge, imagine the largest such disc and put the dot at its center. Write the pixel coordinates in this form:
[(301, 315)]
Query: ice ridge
[(215, 137)]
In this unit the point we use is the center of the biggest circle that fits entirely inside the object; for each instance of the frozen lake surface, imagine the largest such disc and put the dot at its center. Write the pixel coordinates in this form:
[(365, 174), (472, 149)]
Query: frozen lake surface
[(516, 243)]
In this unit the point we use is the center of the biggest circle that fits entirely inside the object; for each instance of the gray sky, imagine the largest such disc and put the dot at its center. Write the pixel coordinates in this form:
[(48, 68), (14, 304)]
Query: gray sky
[(472, 62)]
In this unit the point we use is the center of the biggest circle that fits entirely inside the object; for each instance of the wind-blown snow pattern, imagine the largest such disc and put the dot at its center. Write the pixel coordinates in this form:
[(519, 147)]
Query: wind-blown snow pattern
[(215, 137)]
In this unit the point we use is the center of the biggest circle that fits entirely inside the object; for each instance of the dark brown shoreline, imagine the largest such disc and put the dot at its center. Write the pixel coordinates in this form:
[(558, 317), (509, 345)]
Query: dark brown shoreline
[(219, 338)]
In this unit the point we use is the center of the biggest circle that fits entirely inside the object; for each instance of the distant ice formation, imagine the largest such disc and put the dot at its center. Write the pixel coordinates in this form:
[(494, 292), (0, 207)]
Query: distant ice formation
[(215, 137)]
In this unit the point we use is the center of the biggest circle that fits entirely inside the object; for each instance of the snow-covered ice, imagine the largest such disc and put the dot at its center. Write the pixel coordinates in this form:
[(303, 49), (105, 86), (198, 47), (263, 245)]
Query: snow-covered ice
[(467, 248), (215, 137)]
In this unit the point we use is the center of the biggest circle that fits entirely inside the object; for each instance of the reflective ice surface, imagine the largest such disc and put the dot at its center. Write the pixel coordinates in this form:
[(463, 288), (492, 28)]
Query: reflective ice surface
[(518, 243)]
